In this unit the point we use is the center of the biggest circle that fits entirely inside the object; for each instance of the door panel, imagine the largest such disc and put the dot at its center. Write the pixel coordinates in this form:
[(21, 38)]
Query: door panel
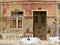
[(39, 24)]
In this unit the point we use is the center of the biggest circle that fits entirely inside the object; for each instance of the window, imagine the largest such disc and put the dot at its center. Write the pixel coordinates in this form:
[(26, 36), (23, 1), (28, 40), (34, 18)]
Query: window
[(14, 23), (20, 22), (17, 18), (59, 29), (59, 6), (36, 19), (42, 19)]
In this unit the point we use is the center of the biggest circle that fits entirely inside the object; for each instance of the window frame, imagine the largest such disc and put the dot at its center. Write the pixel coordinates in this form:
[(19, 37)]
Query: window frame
[(22, 17)]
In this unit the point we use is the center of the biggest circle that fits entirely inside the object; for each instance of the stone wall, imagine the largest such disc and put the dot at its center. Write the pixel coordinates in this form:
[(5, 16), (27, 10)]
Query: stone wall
[(27, 17)]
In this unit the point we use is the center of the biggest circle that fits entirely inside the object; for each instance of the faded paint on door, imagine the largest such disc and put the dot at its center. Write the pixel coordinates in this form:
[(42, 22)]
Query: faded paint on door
[(39, 24)]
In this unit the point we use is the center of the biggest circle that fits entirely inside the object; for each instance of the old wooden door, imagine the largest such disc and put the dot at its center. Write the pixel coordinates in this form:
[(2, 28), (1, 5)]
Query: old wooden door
[(39, 24)]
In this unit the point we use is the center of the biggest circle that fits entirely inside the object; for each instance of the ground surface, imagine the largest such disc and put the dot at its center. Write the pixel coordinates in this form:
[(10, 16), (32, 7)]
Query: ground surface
[(17, 42)]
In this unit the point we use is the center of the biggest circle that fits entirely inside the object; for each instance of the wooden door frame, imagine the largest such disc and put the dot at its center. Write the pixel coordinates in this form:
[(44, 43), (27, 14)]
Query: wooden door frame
[(46, 18)]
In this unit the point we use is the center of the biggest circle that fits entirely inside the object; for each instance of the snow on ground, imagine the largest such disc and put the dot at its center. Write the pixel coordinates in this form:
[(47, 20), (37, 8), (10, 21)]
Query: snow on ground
[(17, 42)]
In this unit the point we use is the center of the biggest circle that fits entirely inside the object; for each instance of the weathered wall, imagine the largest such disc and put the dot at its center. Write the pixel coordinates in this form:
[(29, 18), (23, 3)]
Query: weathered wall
[(28, 0), (28, 17), (28, 10)]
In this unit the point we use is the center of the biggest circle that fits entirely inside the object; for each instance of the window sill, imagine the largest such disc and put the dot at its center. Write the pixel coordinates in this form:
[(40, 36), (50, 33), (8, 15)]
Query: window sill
[(16, 29)]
